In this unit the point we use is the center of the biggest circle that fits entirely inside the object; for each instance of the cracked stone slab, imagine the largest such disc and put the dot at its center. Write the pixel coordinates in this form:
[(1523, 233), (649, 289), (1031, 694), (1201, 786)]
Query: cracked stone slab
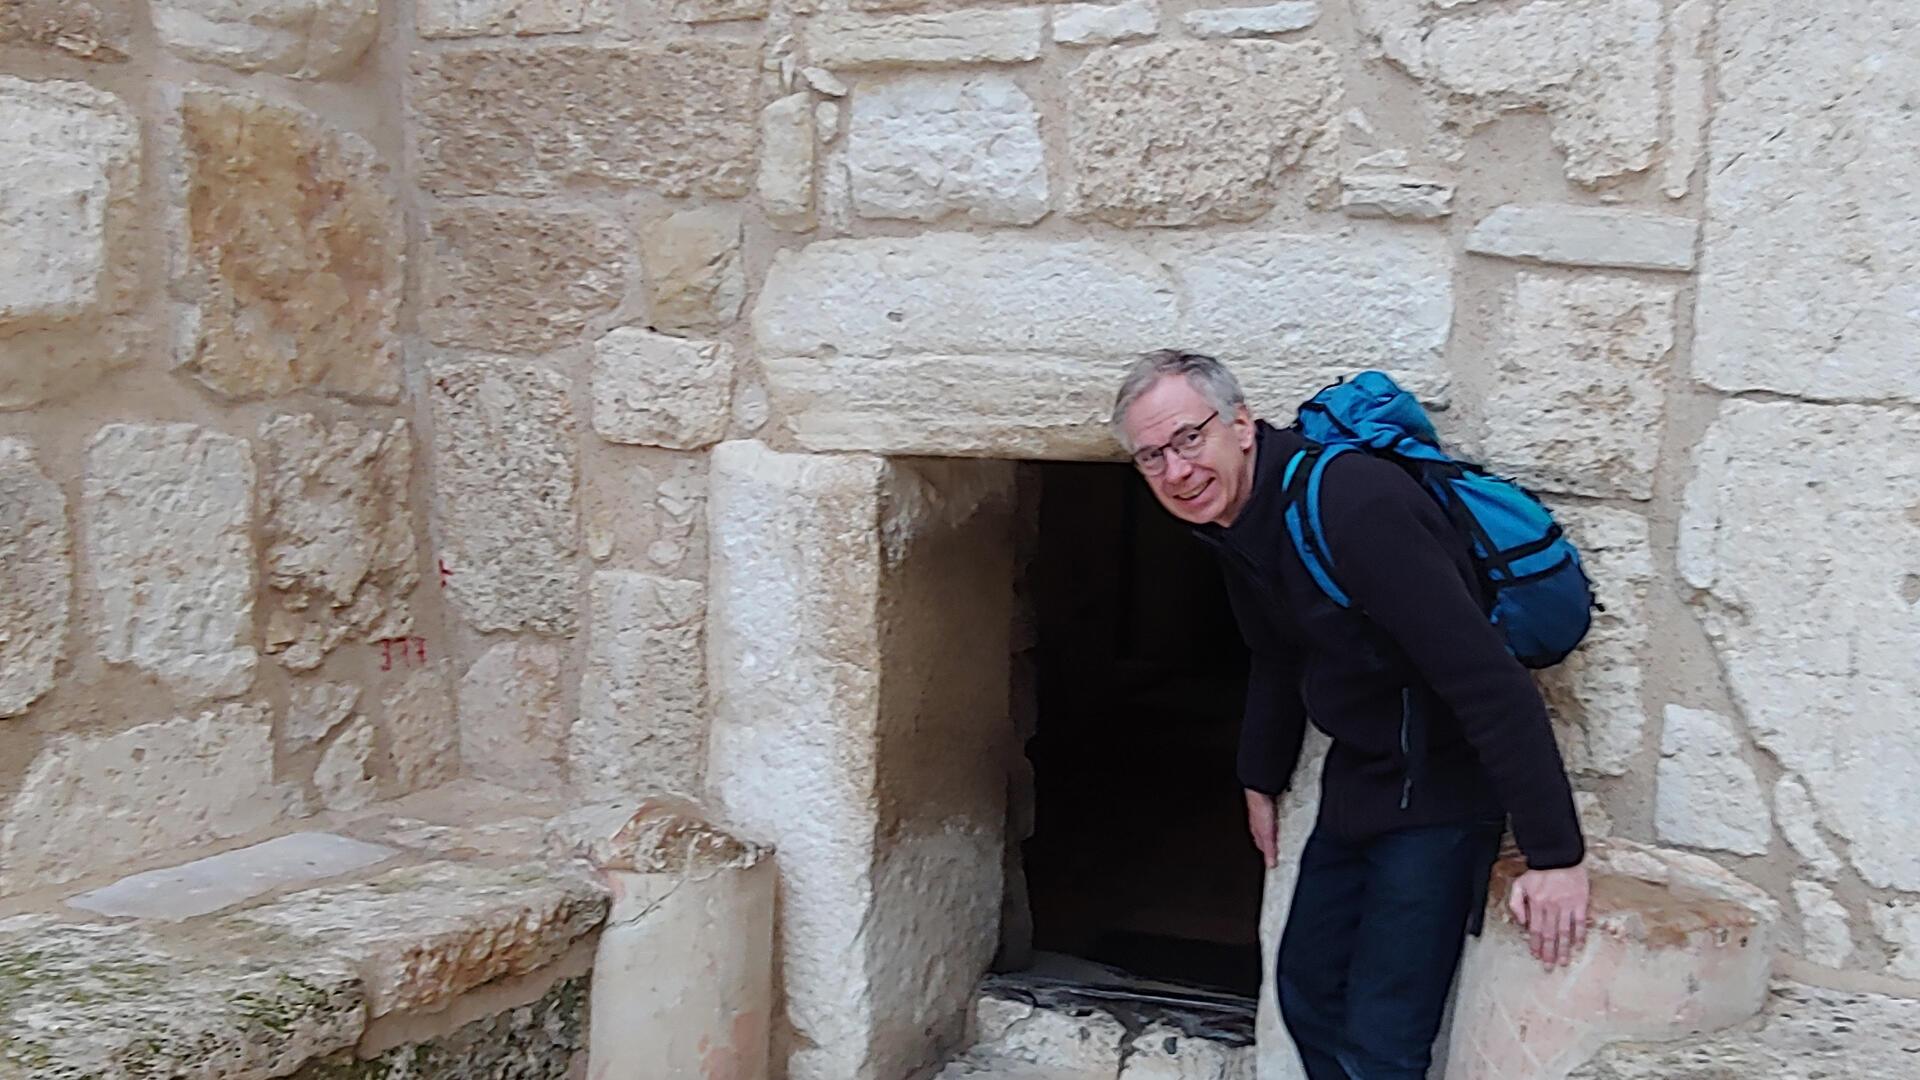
[(423, 935), (120, 1003), (204, 886)]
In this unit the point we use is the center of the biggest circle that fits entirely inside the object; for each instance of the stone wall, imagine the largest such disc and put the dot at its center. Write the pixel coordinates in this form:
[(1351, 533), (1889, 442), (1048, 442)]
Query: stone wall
[(362, 360)]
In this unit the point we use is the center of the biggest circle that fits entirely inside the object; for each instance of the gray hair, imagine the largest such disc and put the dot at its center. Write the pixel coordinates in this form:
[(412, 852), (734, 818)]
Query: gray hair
[(1205, 374)]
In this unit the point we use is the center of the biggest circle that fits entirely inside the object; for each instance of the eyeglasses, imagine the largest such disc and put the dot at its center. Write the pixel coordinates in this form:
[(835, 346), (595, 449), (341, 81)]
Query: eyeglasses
[(1186, 442)]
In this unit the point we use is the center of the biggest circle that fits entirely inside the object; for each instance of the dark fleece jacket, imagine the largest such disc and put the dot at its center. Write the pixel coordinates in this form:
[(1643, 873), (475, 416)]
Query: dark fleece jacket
[(1433, 721)]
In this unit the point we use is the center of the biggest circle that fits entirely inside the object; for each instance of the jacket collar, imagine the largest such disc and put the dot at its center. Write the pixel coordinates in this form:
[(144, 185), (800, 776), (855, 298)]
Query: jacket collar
[(1273, 448)]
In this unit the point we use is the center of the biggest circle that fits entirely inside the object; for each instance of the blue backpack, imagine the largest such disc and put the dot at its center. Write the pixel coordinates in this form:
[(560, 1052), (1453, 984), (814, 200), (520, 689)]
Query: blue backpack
[(1540, 598)]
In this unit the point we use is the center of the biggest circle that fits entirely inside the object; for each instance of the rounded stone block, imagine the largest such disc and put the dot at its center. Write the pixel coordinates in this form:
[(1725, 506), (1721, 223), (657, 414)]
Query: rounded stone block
[(307, 39)]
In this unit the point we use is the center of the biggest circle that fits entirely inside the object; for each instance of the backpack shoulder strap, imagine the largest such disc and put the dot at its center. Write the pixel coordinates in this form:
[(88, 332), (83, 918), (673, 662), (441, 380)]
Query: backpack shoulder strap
[(1301, 484)]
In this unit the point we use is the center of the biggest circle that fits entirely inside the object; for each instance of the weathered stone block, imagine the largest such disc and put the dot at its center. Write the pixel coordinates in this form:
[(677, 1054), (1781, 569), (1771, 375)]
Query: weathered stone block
[(504, 491), (1371, 195), (1799, 822), (90, 803), (1586, 236), (658, 390), (118, 1003), (168, 512), (1707, 795), (99, 30), (960, 293), (36, 577), (540, 1041), (422, 735), (518, 280), (422, 935), (513, 717), (677, 118), (1187, 133), (650, 512), (1164, 1052), (206, 885), (291, 269), (1579, 400), (1105, 24), (1813, 295), (340, 549), (643, 698), (1594, 68), (922, 146), (785, 182), (1594, 696), (1824, 935), (344, 776), (492, 18), (976, 36), (307, 39), (712, 11), (1818, 652), (695, 278), (69, 174), (314, 709), (1279, 18), (1898, 922)]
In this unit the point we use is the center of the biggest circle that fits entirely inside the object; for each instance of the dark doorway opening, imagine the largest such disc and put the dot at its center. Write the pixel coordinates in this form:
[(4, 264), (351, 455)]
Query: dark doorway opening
[(1139, 857)]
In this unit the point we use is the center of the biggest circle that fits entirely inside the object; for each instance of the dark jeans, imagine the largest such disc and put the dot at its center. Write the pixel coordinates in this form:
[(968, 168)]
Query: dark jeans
[(1371, 944)]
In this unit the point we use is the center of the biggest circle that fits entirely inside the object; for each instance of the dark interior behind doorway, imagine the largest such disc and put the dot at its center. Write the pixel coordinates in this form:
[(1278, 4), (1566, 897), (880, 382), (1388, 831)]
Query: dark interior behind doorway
[(1140, 857)]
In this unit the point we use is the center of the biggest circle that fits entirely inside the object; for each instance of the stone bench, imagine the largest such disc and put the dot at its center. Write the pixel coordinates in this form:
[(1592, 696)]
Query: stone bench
[(409, 965)]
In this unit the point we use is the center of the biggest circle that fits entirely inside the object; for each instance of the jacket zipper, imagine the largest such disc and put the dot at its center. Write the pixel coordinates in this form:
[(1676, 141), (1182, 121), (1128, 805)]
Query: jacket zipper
[(1406, 748)]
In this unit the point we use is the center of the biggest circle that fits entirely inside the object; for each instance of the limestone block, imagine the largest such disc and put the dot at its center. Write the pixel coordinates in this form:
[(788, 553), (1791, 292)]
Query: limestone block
[(1586, 236), (204, 886), (504, 492), (69, 175), (1105, 24), (1687, 97), (291, 268), (118, 1003), (971, 36), (1164, 1052), (518, 280), (923, 146), (1185, 133), (695, 277), (495, 18), (36, 577), (658, 390), (100, 30), (1818, 652), (539, 1041), (314, 709), (650, 512), (91, 803), (340, 550), (344, 776), (963, 293), (1898, 922), (1079, 1042), (1707, 794), (713, 11), (687, 896), (513, 717), (422, 935), (1677, 946), (307, 39), (1299, 810), (785, 183), (1278, 18), (1814, 296), (642, 723), (507, 121), (1806, 1033), (1594, 695), (168, 514), (1579, 400), (1373, 195), (422, 736), (1824, 935), (1800, 823), (1594, 68)]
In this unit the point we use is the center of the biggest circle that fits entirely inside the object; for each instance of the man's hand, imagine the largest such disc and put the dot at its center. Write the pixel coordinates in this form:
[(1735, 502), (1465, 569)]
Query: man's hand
[(1552, 905), (1263, 820)]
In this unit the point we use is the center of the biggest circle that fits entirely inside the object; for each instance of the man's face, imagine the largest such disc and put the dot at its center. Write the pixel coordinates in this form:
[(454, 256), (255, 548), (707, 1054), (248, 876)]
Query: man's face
[(1214, 485)]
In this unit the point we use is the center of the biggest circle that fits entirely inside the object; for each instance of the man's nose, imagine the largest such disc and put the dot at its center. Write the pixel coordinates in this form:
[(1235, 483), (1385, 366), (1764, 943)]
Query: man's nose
[(1177, 467)]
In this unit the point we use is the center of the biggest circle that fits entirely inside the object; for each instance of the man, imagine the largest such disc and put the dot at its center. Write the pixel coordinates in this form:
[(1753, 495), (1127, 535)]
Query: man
[(1438, 732)]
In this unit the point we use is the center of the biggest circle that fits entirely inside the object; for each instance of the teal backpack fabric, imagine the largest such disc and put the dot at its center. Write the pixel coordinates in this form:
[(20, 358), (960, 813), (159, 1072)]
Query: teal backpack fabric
[(1539, 597)]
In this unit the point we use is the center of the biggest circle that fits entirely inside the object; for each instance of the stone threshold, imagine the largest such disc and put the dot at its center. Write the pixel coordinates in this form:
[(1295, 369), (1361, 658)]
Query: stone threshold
[(428, 930)]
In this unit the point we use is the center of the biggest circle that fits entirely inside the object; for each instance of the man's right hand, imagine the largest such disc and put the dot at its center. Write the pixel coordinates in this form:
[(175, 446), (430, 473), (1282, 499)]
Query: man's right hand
[(1263, 820)]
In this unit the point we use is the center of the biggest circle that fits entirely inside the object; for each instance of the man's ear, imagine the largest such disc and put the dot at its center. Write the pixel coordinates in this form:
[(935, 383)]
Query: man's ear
[(1243, 427)]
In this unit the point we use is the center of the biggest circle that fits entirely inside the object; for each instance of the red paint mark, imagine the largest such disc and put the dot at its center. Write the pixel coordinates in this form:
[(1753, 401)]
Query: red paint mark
[(445, 572), (420, 649), (412, 651), (386, 654)]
